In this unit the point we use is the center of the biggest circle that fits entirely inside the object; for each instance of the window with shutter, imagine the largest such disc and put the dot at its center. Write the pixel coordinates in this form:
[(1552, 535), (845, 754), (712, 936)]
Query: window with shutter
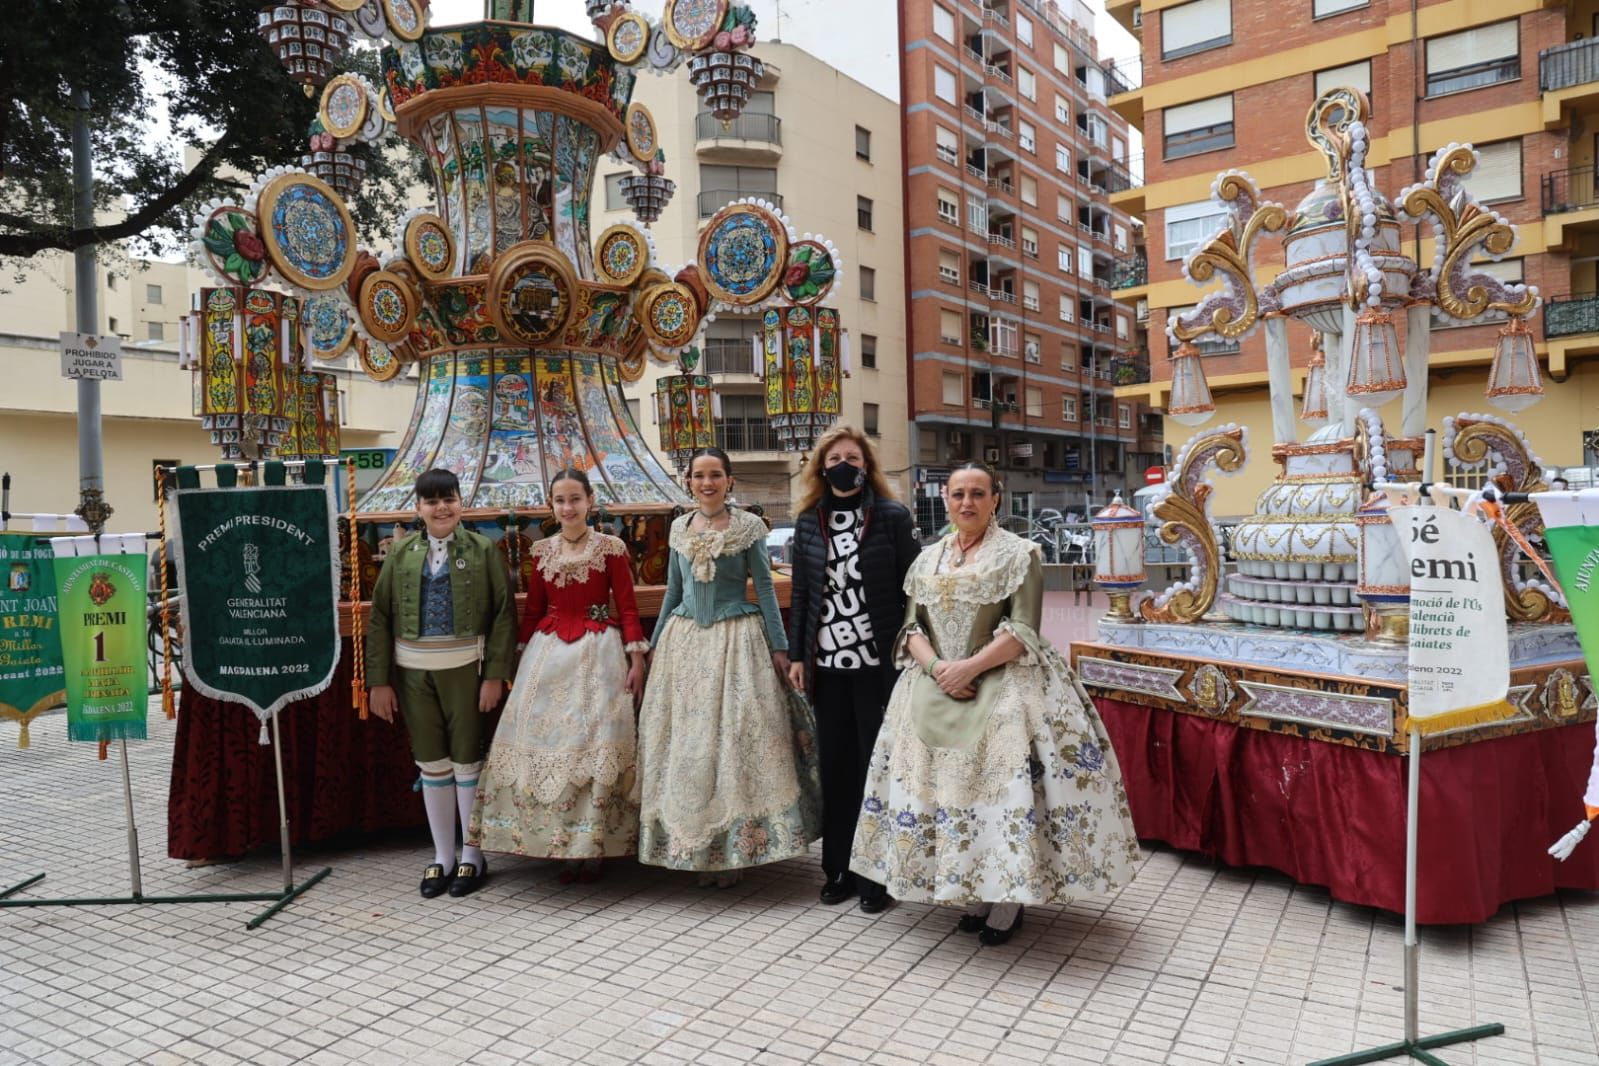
[(1473, 58), (1030, 295), (944, 84), (1030, 242), (944, 23), (1025, 136), (949, 208), (1195, 27), (1497, 175), (1202, 126), (949, 267), (1351, 76), (949, 327), (1026, 83), (1029, 191), (1189, 224), (948, 145), (1322, 8), (954, 389)]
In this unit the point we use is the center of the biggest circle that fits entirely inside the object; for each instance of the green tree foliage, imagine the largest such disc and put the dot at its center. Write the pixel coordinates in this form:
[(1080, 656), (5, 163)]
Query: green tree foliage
[(203, 62)]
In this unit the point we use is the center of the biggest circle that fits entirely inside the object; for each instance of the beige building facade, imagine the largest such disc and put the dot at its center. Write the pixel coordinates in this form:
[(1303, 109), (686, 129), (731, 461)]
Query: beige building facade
[(826, 149), (146, 417)]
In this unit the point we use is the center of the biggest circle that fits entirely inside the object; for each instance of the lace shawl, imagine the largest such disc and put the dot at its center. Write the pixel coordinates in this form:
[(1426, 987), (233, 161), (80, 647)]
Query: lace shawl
[(703, 548), (558, 569), (997, 572)]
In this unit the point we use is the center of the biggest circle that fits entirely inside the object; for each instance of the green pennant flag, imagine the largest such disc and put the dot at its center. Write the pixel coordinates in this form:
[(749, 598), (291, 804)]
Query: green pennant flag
[(100, 600), (258, 570), (30, 644), (1575, 551)]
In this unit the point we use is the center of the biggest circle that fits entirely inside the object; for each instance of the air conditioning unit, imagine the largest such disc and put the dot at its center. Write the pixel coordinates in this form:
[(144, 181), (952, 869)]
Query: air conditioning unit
[(991, 455)]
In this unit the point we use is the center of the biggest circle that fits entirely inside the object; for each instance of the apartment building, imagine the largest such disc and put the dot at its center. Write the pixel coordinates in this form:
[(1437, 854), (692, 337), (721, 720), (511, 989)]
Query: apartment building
[(826, 150), (1225, 84), (1011, 154)]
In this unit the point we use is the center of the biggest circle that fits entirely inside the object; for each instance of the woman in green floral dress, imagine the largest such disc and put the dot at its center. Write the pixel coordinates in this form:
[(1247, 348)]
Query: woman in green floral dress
[(993, 783)]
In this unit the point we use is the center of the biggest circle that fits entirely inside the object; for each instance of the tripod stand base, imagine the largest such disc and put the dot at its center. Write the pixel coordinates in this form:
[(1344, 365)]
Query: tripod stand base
[(1415, 1049), (279, 900)]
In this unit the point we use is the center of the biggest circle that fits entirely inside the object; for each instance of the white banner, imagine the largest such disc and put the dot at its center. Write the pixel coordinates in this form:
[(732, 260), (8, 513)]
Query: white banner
[(1459, 644)]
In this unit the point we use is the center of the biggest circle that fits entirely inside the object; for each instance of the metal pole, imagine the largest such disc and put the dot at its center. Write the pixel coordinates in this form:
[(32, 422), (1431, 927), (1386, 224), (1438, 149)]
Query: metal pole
[(91, 467), (133, 831), (1412, 948), (283, 811), (5, 500)]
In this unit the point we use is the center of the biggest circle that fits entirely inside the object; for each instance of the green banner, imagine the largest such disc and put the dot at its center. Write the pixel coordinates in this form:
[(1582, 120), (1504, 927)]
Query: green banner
[(31, 679), (1575, 551), (258, 570), (100, 600)]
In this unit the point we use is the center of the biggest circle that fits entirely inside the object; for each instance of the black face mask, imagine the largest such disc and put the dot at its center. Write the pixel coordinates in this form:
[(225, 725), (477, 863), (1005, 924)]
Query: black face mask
[(844, 477)]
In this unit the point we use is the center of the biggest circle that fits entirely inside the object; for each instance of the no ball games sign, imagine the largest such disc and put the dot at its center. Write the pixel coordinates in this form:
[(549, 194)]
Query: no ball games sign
[(86, 356)]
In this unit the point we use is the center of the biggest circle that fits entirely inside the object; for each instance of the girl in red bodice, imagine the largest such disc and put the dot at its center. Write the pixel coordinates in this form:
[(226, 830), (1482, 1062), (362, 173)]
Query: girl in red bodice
[(559, 781)]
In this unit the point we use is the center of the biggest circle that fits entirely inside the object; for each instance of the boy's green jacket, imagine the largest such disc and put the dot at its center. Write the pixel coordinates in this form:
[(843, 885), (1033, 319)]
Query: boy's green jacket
[(480, 592)]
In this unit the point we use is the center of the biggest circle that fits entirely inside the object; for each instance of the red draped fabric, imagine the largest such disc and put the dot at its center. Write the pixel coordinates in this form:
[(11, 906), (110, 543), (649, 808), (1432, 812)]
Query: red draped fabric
[(342, 776), (1326, 814)]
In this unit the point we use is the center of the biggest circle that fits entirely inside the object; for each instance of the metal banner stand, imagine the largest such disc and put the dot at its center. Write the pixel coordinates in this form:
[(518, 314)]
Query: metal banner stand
[(1414, 1045), (279, 900)]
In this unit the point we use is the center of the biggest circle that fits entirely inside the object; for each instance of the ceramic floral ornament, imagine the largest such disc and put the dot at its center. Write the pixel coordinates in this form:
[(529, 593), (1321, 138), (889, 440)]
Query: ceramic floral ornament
[(228, 242)]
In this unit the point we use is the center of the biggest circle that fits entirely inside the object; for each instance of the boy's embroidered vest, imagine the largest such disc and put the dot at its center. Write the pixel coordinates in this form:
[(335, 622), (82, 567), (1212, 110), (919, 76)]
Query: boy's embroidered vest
[(438, 609)]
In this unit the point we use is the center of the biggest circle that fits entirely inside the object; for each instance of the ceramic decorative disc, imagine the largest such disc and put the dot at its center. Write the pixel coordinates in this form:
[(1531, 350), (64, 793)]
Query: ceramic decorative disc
[(231, 237), (621, 255), (640, 127), (379, 363), (387, 307), (307, 231), (743, 252), (346, 6), (630, 367), (663, 55), (327, 326), (670, 317), (810, 273), (691, 24), (385, 105), (344, 106), (429, 246), (404, 18), (531, 290), (628, 37), (369, 16)]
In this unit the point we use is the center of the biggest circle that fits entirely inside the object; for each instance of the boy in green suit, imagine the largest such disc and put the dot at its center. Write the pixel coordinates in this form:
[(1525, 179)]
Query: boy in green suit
[(440, 646)]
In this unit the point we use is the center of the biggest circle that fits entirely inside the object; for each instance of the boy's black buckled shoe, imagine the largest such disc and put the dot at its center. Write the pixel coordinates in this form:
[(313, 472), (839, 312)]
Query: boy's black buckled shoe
[(435, 881), (469, 877)]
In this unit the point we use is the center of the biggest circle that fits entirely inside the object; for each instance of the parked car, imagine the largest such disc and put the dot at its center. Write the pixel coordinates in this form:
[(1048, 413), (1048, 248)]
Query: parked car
[(780, 544)]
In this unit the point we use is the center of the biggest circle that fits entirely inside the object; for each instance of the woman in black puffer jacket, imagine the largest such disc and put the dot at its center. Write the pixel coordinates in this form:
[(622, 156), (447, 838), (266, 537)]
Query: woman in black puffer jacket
[(853, 543)]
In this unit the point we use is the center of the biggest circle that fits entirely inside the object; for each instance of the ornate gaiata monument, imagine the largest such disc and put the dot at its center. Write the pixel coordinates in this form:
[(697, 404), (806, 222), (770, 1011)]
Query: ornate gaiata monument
[(523, 325), (1320, 591)]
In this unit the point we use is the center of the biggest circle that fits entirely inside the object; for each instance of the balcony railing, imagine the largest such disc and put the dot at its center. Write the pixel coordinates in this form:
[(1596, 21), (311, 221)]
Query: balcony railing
[(977, 172), (1567, 316), (1001, 184), (1120, 174), (974, 114), (1130, 271), (727, 355), (1001, 296), (993, 70), (1569, 190), (1123, 75), (1130, 369), (1214, 346), (990, 15), (1001, 240), (978, 57), (1566, 65), (767, 129), (746, 435), (713, 200)]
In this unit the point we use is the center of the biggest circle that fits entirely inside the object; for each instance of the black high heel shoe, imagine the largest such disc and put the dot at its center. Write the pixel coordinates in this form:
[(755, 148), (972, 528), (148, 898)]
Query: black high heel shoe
[(993, 938)]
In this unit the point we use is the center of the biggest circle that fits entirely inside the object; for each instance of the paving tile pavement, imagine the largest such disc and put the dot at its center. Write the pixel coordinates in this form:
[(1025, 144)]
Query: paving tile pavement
[(1189, 964)]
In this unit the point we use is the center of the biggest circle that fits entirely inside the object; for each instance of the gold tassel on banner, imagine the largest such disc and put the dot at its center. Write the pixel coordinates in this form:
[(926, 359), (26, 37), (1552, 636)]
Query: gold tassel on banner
[(357, 639), (168, 707)]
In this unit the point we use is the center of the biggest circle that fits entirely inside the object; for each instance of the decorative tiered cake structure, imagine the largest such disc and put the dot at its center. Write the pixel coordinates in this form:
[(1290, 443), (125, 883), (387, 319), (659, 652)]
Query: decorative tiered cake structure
[(523, 326), (1319, 593)]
